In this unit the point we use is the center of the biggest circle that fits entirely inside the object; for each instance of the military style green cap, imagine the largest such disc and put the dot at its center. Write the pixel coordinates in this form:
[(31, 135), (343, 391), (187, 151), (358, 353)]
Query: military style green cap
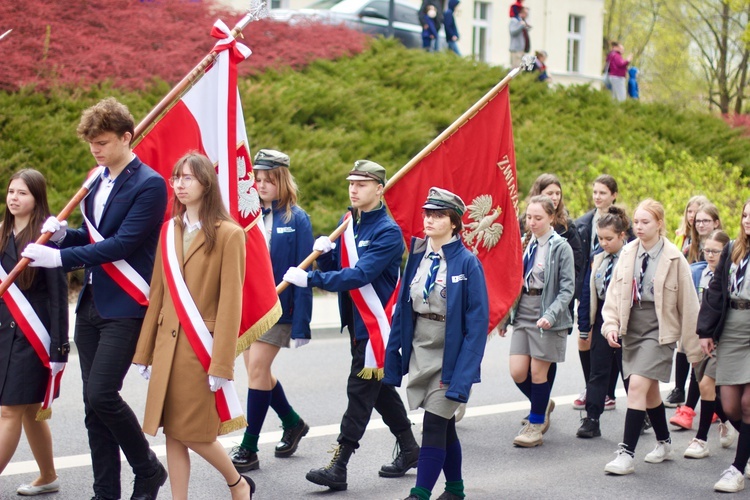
[(268, 159), (366, 170), (442, 199)]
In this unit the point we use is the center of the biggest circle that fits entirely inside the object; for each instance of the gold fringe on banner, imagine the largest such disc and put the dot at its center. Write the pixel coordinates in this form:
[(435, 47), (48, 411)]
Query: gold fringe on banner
[(43, 414), (370, 373), (262, 326), (235, 424)]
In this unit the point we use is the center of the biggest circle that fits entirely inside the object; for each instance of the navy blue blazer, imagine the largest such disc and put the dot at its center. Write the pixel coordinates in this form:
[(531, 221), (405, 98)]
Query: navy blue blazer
[(130, 224)]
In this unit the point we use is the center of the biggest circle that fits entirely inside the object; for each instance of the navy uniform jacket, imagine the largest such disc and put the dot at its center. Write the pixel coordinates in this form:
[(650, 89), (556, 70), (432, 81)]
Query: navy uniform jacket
[(291, 242), (379, 246), (466, 321), (713, 311), (130, 224)]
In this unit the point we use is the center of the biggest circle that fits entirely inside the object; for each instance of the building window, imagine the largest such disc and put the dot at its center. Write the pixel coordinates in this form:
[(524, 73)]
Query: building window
[(481, 31), (575, 43)]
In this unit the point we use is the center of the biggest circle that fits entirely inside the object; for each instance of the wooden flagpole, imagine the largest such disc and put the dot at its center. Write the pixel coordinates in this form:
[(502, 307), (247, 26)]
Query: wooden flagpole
[(527, 63)]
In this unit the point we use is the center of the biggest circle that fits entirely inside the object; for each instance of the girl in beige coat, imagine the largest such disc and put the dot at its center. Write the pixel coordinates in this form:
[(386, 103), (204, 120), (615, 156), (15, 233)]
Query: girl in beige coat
[(651, 303), (210, 248)]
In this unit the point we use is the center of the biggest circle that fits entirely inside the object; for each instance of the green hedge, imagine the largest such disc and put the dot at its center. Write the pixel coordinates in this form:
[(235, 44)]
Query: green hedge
[(387, 103)]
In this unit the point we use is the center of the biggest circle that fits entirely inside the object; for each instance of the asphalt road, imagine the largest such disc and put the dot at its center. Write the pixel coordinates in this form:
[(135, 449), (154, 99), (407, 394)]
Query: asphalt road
[(314, 378)]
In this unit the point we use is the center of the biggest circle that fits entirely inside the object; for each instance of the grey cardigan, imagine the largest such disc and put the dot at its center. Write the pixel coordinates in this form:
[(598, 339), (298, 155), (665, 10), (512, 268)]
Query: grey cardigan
[(559, 284)]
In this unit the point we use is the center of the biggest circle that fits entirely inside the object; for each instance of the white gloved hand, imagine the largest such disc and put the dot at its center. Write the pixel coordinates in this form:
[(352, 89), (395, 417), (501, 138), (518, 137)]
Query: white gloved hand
[(323, 245), (300, 342), (216, 383), (42, 256), (296, 276), (56, 367), (144, 370), (57, 228)]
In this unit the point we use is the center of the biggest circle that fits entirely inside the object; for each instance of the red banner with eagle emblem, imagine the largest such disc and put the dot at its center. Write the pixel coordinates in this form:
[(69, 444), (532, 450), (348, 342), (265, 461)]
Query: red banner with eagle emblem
[(478, 163)]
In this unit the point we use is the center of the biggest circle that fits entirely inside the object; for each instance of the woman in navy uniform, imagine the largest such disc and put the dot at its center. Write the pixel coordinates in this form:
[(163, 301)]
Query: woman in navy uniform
[(289, 237), (23, 377), (438, 338)]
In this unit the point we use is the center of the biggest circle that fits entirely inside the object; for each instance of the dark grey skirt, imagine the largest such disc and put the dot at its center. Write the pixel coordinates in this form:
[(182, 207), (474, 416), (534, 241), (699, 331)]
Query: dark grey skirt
[(279, 335), (733, 351), (641, 352), (527, 340)]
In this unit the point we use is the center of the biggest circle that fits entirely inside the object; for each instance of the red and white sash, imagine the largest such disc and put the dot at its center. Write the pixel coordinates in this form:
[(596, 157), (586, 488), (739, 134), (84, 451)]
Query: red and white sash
[(201, 340), (377, 318), (120, 271), (28, 321)]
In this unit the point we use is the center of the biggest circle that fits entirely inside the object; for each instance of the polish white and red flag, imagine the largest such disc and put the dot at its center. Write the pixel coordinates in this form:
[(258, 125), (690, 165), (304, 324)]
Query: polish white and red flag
[(208, 119)]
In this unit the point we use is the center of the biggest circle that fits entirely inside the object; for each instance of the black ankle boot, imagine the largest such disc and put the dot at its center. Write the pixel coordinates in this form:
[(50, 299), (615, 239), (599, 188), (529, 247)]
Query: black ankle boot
[(407, 457), (333, 475)]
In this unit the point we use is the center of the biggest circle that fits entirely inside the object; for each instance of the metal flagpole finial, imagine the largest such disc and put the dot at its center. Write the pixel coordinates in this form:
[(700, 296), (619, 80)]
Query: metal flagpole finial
[(257, 10), (527, 62)]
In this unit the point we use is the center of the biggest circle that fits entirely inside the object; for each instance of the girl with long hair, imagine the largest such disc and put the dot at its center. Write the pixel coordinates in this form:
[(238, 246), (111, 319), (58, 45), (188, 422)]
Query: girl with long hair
[(195, 308), (706, 221), (25, 378)]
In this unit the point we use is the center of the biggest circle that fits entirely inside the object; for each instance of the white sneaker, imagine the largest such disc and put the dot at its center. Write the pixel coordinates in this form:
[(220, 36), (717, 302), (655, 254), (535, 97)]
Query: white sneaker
[(623, 464), (530, 436), (30, 490), (727, 434), (731, 481), (547, 412), (697, 449), (662, 452)]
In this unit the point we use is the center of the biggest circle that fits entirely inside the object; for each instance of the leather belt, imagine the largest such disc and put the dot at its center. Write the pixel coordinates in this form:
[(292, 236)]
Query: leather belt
[(742, 305), (433, 316), (533, 291)]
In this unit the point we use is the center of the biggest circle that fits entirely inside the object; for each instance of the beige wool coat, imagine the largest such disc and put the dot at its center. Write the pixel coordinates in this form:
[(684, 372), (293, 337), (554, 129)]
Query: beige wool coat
[(675, 298), (179, 398)]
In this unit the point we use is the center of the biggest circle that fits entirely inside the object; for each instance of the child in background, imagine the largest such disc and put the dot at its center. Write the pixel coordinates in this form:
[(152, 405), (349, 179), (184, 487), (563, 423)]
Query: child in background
[(633, 83), (515, 8), (429, 29), (451, 31)]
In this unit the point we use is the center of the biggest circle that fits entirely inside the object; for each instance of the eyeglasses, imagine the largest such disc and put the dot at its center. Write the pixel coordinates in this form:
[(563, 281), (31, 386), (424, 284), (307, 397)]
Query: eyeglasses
[(703, 221), (711, 252), (184, 180)]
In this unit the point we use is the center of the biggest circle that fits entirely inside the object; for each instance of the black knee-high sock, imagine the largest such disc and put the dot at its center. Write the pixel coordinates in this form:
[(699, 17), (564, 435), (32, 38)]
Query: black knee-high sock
[(551, 374), (613, 376), (743, 448), (707, 414), (681, 370), (658, 417), (585, 364), (694, 392), (633, 423), (525, 387)]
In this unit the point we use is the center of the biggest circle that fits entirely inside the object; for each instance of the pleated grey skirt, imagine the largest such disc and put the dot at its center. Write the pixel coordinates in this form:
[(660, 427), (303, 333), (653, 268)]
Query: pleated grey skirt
[(641, 352), (733, 351), (529, 341)]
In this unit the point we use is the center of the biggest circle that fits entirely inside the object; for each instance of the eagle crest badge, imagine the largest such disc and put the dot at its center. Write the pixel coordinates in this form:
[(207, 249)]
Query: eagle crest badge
[(484, 231)]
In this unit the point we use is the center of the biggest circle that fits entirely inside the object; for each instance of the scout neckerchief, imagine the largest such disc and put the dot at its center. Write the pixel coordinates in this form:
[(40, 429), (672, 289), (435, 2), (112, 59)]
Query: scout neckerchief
[(120, 271), (377, 318), (201, 340), (37, 335), (528, 262)]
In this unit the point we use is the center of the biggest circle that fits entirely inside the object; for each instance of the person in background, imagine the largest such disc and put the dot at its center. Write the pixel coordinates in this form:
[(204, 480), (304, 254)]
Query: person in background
[(515, 8), (429, 29), (431, 18), (438, 338), (540, 66), (618, 71), (520, 43), (633, 91), (37, 297), (451, 31)]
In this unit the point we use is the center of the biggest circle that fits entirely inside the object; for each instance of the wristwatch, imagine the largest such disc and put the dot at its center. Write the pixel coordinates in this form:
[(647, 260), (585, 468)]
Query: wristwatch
[(64, 349)]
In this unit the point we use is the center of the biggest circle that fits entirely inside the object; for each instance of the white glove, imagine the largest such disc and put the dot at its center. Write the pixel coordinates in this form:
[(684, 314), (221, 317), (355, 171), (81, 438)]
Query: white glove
[(56, 367), (300, 342), (144, 370), (42, 256), (57, 228), (296, 276), (216, 383), (323, 245)]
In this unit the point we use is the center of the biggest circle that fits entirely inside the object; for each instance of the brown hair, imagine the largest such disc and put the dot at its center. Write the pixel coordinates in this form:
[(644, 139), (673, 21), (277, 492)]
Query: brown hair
[(656, 209), (742, 242), (718, 235), (547, 206), (454, 217), (685, 226), (287, 188), (108, 115), (609, 182), (694, 252), (37, 186), (212, 207), (616, 218), (540, 184)]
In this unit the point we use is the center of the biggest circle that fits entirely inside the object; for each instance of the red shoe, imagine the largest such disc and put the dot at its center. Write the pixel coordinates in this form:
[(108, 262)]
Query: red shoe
[(715, 419), (580, 403), (609, 403), (683, 417)]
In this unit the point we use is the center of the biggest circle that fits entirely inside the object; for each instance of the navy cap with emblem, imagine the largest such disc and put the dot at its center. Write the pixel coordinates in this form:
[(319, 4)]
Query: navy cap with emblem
[(442, 199), (268, 159)]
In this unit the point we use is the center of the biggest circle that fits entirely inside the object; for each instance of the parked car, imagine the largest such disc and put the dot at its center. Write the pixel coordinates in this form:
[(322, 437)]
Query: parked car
[(367, 16)]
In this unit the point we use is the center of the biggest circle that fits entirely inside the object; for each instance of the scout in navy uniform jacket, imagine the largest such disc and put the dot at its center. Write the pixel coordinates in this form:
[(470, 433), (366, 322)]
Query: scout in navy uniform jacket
[(380, 247), (466, 321), (288, 248)]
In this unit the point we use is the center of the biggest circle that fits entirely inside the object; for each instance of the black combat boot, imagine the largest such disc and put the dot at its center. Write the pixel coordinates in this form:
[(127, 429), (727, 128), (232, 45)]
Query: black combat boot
[(333, 475), (407, 457)]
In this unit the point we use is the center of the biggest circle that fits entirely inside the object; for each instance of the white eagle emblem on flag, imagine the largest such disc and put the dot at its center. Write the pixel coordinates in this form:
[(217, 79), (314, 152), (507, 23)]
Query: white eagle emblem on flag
[(484, 231), (249, 200)]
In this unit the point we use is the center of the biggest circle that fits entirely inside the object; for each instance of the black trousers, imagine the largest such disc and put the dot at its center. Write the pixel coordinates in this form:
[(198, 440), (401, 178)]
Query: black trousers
[(602, 357), (364, 395), (105, 349)]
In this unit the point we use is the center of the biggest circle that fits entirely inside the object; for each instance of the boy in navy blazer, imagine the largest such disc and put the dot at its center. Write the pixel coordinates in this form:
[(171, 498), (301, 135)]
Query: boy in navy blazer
[(116, 246)]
